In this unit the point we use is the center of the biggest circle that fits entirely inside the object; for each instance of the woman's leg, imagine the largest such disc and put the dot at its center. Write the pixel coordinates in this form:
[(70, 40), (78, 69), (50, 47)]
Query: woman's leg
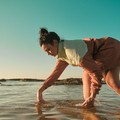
[(112, 79), (86, 85)]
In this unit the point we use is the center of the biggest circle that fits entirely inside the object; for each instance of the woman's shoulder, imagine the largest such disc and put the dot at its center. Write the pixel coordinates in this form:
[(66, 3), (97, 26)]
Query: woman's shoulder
[(73, 40), (76, 44)]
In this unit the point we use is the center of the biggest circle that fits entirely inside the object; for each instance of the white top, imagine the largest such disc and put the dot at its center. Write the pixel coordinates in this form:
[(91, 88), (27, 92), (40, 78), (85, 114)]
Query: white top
[(72, 51)]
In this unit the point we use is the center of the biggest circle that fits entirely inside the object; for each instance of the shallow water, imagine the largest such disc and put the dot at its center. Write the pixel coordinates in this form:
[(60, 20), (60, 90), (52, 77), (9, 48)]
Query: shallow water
[(18, 102)]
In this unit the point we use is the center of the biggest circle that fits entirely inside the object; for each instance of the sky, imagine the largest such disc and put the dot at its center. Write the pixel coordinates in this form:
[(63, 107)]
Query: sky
[(20, 21)]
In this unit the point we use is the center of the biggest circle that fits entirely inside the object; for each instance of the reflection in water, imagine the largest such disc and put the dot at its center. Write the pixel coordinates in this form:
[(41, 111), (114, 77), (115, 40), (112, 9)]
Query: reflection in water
[(67, 108), (17, 103), (44, 116)]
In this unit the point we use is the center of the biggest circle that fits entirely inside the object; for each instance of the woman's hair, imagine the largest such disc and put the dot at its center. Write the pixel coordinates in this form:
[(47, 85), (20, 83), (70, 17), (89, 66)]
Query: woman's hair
[(48, 37)]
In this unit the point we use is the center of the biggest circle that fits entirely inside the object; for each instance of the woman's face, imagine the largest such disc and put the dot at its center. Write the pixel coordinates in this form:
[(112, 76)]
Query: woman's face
[(51, 49)]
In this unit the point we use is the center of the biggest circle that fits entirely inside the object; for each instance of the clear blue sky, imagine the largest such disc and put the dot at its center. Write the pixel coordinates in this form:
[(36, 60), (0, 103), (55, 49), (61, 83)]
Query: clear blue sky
[(20, 20)]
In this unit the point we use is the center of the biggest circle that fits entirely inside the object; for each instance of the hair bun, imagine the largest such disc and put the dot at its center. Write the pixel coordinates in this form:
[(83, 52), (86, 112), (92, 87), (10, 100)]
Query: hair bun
[(43, 33)]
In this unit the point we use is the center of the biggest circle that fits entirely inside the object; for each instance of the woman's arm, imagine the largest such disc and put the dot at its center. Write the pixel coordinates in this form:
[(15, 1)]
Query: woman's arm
[(59, 68)]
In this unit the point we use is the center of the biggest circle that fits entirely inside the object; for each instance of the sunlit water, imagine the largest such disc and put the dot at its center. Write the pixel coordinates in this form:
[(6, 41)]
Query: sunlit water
[(18, 102)]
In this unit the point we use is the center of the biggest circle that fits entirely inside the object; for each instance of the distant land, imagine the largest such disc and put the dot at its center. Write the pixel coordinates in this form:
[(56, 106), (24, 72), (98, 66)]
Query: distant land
[(67, 81)]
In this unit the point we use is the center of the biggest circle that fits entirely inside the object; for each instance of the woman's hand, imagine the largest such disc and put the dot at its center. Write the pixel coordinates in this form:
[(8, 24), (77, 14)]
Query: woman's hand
[(40, 97), (88, 103)]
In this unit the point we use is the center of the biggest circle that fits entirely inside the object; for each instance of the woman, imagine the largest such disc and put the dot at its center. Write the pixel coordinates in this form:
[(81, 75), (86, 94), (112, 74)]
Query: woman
[(99, 58)]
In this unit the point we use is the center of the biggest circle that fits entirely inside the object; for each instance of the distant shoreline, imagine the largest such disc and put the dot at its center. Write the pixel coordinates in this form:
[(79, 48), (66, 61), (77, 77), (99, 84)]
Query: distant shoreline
[(67, 81)]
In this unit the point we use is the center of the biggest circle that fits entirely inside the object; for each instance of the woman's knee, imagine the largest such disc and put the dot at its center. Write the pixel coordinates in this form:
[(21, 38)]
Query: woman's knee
[(112, 79)]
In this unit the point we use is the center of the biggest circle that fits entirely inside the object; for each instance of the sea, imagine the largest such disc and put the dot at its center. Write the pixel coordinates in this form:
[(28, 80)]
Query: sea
[(18, 102)]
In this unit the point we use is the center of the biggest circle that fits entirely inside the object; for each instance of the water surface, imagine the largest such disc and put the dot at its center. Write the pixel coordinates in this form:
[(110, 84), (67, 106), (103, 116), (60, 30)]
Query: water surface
[(18, 102)]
